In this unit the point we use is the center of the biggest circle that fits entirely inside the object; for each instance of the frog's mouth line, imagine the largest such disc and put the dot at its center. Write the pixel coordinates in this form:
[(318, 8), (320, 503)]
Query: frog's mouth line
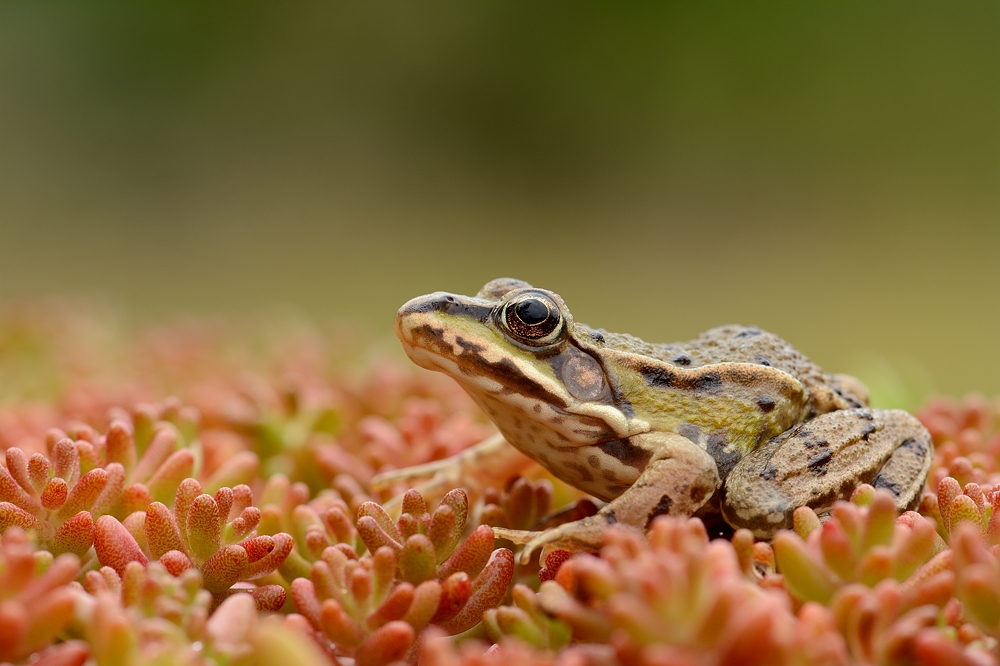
[(470, 366)]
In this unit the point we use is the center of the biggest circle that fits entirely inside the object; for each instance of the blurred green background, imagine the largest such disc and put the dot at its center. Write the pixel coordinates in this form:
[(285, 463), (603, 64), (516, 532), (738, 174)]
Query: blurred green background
[(828, 171)]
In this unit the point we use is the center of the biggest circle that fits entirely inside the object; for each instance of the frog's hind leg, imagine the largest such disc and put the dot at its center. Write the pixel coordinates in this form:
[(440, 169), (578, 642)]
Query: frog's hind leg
[(823, 460)]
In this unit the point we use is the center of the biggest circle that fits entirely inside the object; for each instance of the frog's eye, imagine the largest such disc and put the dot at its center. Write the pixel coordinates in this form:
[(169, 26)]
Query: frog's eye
[(533, 319)]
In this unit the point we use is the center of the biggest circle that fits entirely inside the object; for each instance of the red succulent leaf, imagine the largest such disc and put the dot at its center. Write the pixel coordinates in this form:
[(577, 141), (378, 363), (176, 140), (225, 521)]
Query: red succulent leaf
[(384, 524), (224, 568), (385, 646), (338, 626), (39, 472), (203, 530), (176, 562), (236, 470), (12, 492), (244, 524), (413, 503), (471, 555), (112, 492), (163, 484), (71, 653), (224, 498), (283, 544), (425, 604), (304, 596), (66, 461), (164, 443), (119, 447), (393, 608), (162, 532), (12, 515), (488, 589), (76, 535), (269, 598), (115, 546), (455, 591), (134, 498), (17, 465), (84, 493), (55, 493), (258, 547), (417, 562)]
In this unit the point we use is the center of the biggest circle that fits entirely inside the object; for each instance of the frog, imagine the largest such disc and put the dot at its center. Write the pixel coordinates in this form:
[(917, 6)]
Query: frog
[(735, 426)]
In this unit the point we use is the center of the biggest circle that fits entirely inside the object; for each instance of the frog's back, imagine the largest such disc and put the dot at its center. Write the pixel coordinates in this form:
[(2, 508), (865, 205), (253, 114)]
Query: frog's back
[(749, 344)]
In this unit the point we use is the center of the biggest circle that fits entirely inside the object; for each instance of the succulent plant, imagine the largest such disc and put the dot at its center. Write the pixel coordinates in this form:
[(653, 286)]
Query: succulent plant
[(861, 542), (214, 534), (36, 604)]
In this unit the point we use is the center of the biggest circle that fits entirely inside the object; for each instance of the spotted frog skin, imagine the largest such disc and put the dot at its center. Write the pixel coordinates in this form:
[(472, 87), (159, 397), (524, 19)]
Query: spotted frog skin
[(735, 424)]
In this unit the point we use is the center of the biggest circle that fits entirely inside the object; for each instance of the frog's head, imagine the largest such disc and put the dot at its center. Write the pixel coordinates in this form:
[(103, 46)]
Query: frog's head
[(517, 351)]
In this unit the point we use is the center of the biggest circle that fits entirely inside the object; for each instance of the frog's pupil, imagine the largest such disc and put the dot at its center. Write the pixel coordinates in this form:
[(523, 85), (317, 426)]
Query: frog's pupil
[(532, 311)]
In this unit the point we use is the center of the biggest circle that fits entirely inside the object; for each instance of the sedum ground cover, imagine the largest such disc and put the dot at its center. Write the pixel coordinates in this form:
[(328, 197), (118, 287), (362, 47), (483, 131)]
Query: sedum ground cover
[(199, 494)]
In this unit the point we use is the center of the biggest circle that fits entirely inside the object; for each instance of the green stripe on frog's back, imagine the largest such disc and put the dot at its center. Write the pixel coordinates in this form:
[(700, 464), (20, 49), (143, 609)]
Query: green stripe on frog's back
[(742, 404)]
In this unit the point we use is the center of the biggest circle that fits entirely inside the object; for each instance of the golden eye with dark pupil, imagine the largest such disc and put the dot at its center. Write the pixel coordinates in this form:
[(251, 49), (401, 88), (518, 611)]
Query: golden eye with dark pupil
[(532, 318)]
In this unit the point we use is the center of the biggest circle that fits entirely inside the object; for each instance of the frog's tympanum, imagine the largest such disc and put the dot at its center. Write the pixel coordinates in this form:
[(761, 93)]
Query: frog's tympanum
[(734, 424)]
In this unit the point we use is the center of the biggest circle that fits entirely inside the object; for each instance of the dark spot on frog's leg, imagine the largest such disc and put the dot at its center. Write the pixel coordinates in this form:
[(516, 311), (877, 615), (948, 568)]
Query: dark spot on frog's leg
[(765, 403), (584, 473), (690, 431), (658, 376), (593, 461), (698, 494), (817, 464), (709, 382), (609, 475), (725, 459), (681, 359), (882, 482), (762, 360), (662, 507), (915, 445), (617, 489), (537, 408), (626, 452)]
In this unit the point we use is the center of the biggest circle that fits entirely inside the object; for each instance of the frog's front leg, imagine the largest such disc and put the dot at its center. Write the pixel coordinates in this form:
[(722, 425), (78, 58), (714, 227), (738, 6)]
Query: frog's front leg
[(678, 480), (823, 460), (491, 462)]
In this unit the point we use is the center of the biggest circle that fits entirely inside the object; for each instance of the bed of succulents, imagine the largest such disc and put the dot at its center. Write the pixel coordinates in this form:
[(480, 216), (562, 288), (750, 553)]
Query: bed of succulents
[(199, 493)]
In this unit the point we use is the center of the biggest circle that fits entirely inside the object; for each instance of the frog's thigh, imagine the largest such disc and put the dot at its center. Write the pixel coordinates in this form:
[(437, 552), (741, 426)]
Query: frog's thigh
[(678, 481), (824, 460)]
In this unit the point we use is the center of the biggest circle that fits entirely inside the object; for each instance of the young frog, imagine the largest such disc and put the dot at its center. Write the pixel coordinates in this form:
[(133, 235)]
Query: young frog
[(734, 424)]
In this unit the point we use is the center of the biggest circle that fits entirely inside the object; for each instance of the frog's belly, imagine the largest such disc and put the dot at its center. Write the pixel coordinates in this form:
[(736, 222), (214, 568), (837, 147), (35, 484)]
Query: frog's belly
[(582, 451), (590, 468)]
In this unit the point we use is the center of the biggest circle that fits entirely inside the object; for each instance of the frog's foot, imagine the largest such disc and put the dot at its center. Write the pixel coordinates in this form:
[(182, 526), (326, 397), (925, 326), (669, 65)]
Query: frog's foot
[(492, 462), (584, 535), (823, 460)]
